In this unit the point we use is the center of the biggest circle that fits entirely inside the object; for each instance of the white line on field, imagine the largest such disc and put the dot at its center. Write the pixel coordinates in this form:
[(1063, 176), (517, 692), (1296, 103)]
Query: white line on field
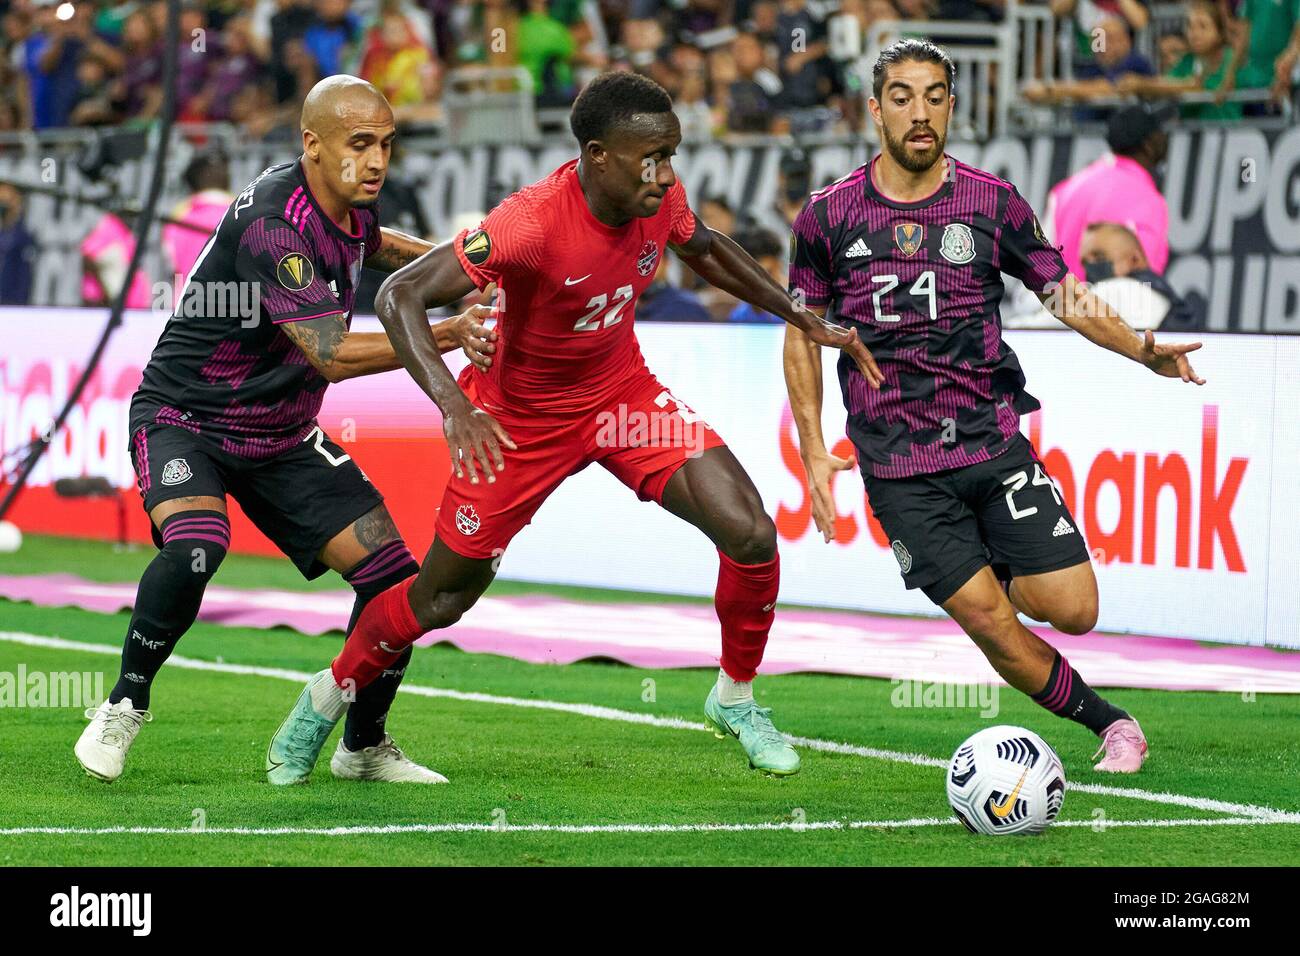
[(1256, 813), (785, 825)]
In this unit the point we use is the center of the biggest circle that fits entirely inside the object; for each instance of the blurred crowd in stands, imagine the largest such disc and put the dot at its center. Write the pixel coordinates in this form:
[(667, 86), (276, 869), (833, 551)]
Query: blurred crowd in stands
[(740, 66), (733, 66)]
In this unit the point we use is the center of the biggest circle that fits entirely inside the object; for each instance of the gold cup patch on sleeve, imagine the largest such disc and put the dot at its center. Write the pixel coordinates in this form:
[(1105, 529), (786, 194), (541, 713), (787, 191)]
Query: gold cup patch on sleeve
[(295, 272), (478, 247)]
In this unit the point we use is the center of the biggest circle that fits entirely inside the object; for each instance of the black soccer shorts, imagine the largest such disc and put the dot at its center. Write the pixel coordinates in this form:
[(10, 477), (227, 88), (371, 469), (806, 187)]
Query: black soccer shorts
[(1006, 513), (300, 499)]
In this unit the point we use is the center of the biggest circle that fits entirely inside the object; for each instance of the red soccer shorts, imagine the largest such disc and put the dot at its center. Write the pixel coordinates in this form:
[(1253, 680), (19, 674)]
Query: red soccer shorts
[(642, 435)]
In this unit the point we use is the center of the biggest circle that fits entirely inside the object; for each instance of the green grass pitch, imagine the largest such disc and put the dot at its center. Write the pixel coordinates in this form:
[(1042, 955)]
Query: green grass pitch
[(572, 785)]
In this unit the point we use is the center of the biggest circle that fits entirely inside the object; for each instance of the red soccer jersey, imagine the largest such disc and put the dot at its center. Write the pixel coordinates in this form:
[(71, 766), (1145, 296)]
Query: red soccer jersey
[(568, 289)]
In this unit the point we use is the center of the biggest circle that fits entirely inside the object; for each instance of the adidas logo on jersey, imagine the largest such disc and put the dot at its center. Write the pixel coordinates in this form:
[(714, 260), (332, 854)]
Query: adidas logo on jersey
[(1062, 527), (857, 250)]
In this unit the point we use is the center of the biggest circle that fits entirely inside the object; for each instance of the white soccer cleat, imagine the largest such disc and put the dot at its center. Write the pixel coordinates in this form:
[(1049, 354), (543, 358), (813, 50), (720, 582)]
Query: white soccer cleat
[(101, 751), (384, 762)]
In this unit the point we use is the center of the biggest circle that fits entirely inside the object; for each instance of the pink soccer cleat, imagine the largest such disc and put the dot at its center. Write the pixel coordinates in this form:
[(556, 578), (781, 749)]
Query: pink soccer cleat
[(1125, 747)]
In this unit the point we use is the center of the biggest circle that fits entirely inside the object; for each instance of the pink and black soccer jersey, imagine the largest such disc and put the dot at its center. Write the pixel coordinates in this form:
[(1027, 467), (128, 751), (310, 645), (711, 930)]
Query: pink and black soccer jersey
[(922, 282), (223, 368)]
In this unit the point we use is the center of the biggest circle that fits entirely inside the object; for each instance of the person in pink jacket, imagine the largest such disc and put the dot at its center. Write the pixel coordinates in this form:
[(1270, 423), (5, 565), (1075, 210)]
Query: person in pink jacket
[(1120, 187), (208, 179)]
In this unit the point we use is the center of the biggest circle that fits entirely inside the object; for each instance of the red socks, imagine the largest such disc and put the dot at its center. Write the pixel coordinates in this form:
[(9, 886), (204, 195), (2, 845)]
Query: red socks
[(385, 629), (745, 600)]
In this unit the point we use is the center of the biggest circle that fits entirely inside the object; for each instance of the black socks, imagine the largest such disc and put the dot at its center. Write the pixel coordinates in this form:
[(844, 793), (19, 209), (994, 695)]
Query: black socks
[(168, 598), (1066, 695)]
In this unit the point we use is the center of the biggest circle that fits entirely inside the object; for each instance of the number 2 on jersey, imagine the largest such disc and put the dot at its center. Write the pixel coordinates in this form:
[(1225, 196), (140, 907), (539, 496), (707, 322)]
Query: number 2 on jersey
[(924, 285), (597, 303)]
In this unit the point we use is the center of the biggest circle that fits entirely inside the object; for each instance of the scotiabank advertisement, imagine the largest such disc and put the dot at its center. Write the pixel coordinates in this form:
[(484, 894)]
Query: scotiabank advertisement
[(1187, 496)]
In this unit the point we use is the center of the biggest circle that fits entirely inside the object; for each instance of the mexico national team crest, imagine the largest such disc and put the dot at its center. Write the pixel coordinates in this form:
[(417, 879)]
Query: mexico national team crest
[(295, 272), (902, 555), (958, 245), (176, 471), (648, 259), (467, 519), (908, 236)]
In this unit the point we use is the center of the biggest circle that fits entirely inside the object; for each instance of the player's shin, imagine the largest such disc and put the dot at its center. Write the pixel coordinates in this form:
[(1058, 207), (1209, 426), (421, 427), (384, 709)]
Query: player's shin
[(1068, 695), (379, 571), (745, 601), (384, 630), (168, 598)]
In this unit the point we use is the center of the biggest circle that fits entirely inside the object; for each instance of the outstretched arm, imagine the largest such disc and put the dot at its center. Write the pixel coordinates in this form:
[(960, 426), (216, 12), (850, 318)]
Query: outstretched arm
[(803, 382), (1091, 317), (338, 353), (433, 280), (722, 263)]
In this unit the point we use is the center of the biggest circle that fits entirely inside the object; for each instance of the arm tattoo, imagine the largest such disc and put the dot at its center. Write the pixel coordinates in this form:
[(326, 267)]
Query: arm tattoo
[(390, 258), (319, 339), (396, 250), (375, 528)]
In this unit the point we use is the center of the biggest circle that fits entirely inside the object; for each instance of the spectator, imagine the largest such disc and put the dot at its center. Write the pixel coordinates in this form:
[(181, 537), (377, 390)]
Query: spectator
[(1088, 15), (769, 252), (801, 49), (1119, 187), (1098, 78), (1170, 49), (51, 54), (197, 53), (332, 37), (17, 249), (692, 107), (663, 302), (94, 102), (239, 67), (717, 215), (752, 95), (1206, 66), (137, 93), (793, 184), (398, 63), (1119, 274), (105, 255), (1267, 29), (14, 99), (207, 177), (545, 47), (1284, 68), (288, 24)]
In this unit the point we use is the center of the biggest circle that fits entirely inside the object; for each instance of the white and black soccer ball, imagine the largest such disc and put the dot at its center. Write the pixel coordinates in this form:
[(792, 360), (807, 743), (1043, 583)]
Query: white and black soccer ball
[(1006, 780)]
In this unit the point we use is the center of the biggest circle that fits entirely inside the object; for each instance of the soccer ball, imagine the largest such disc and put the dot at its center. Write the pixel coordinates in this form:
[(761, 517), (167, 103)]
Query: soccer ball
[(1006, 780)]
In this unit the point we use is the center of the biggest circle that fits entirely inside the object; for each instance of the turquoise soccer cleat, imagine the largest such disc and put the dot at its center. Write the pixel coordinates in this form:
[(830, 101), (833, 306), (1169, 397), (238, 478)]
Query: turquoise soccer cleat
[(752, 726), (297, 744)]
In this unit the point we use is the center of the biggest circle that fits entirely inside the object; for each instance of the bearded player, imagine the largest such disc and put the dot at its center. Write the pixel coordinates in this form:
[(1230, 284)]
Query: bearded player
[(909, 251), (228, 407), (570, 255)]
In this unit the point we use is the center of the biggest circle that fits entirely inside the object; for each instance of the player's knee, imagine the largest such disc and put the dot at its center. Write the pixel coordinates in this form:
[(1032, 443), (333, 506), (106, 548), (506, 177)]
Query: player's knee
[(991, 623), (753, 539), (1079, 617), (195, 544), (443, 609)]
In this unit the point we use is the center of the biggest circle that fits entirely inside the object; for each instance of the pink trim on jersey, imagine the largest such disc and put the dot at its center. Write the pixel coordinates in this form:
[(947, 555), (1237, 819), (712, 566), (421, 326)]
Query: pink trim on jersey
[(982, 175), (354, 221), (305, 318), (854, 177), (906, 202), (295, 198)]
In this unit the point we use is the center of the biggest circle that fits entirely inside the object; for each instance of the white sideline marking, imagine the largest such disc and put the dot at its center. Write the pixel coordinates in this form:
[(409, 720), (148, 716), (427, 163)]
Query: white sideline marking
[(784, 825), (1256, 813)]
